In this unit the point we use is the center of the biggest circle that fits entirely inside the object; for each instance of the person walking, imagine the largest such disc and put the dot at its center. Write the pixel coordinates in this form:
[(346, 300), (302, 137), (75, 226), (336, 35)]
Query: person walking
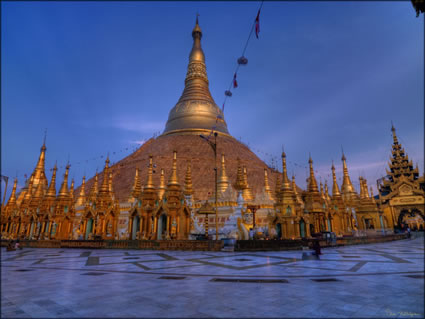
[(316, 247)]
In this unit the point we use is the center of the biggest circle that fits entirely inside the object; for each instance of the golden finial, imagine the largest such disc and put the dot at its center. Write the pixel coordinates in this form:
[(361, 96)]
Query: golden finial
[(335, 187), (38, 173), (328, 198), (94, 188), (63, 192), (362, 194), (104, 188), (161, 188), (137, 185), (371, 193), (149, 181), (239, 185), (12, 198), (188, 190), (247, 194), (366, 191), (173, 177), (286, 184), (394, 135), (312, 184), (267, 188), (322, 193), (277, 191), (71, 190), (347, 187), (111, 188), (51, 191), (82, 196), (223, 181)]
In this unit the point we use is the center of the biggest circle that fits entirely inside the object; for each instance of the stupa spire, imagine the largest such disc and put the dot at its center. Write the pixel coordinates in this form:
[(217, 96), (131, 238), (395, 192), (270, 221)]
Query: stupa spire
[(71, 190), (267, 187), (196, 110), (312, 184), (104, 188), (63, 192), (51, 191), (223, 180), (335, 187), (149, 181), (137, 185), (277, 191), (328, 198), (188, 187), (247, 193), (286, 184), (161, 188), (347, 187), (94, 188), (173, 177), (12, 198), (239, 185), (82, 196)]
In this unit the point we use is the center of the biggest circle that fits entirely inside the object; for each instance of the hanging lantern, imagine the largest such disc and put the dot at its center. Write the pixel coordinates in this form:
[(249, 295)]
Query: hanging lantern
[(242, 61), (227, 93)]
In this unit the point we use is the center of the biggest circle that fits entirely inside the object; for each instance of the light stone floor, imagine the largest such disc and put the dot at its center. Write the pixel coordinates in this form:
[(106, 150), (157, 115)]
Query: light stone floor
[(374, 281)]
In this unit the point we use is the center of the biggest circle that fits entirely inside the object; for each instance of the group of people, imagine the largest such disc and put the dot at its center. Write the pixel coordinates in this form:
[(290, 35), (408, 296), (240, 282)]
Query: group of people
[(11, 246)]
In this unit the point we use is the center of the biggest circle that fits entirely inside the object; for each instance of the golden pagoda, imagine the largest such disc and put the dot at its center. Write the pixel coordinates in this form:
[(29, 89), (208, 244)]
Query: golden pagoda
[(135, 202)]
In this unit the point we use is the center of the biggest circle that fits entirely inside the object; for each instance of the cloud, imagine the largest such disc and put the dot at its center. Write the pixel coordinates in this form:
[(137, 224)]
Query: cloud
[(141, 142), (126, 123), (134, 125)]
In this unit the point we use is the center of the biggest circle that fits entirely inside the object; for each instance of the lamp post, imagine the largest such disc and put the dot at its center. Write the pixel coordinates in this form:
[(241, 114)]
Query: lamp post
[(214, 148)]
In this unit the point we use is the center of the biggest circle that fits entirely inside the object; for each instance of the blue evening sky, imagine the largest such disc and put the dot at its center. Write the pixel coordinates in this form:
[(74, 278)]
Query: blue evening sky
[(102, 77)]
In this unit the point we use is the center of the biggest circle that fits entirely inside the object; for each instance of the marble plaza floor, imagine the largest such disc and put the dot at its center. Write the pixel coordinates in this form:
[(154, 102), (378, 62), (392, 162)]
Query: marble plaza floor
[(374, 281)]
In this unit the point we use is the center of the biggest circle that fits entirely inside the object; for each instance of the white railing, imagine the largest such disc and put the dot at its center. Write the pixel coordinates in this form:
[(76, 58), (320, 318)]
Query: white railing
[(373, 232)]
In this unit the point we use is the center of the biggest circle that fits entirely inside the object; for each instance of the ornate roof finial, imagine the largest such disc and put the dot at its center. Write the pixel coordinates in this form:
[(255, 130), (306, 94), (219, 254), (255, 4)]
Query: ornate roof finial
[(322, 193), (173, 177), (45, 136), (239, 185), (294, 187), (71, 190), (312, 184), (63, 192), (347, 188), (223, 181), (104, 188), (395, 140), (51, 191), (328, 198), (277, 190), (161, 188), (188, 189), (247, 194), (286, 184), (137, 185), (111, 188), (149, 181), (94, 188), (82, 196), (267, 188), (12, 198), (335, 187)]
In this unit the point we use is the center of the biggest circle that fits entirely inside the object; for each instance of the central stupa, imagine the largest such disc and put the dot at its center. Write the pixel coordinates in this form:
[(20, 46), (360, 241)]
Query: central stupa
[(194, 114), (196, 110)]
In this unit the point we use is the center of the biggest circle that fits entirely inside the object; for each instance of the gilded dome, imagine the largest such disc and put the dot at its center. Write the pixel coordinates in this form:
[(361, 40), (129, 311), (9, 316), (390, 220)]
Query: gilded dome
[(196, 111)]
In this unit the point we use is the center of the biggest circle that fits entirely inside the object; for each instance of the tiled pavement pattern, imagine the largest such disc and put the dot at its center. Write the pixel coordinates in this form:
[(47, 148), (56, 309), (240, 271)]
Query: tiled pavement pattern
[(377, 281)]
